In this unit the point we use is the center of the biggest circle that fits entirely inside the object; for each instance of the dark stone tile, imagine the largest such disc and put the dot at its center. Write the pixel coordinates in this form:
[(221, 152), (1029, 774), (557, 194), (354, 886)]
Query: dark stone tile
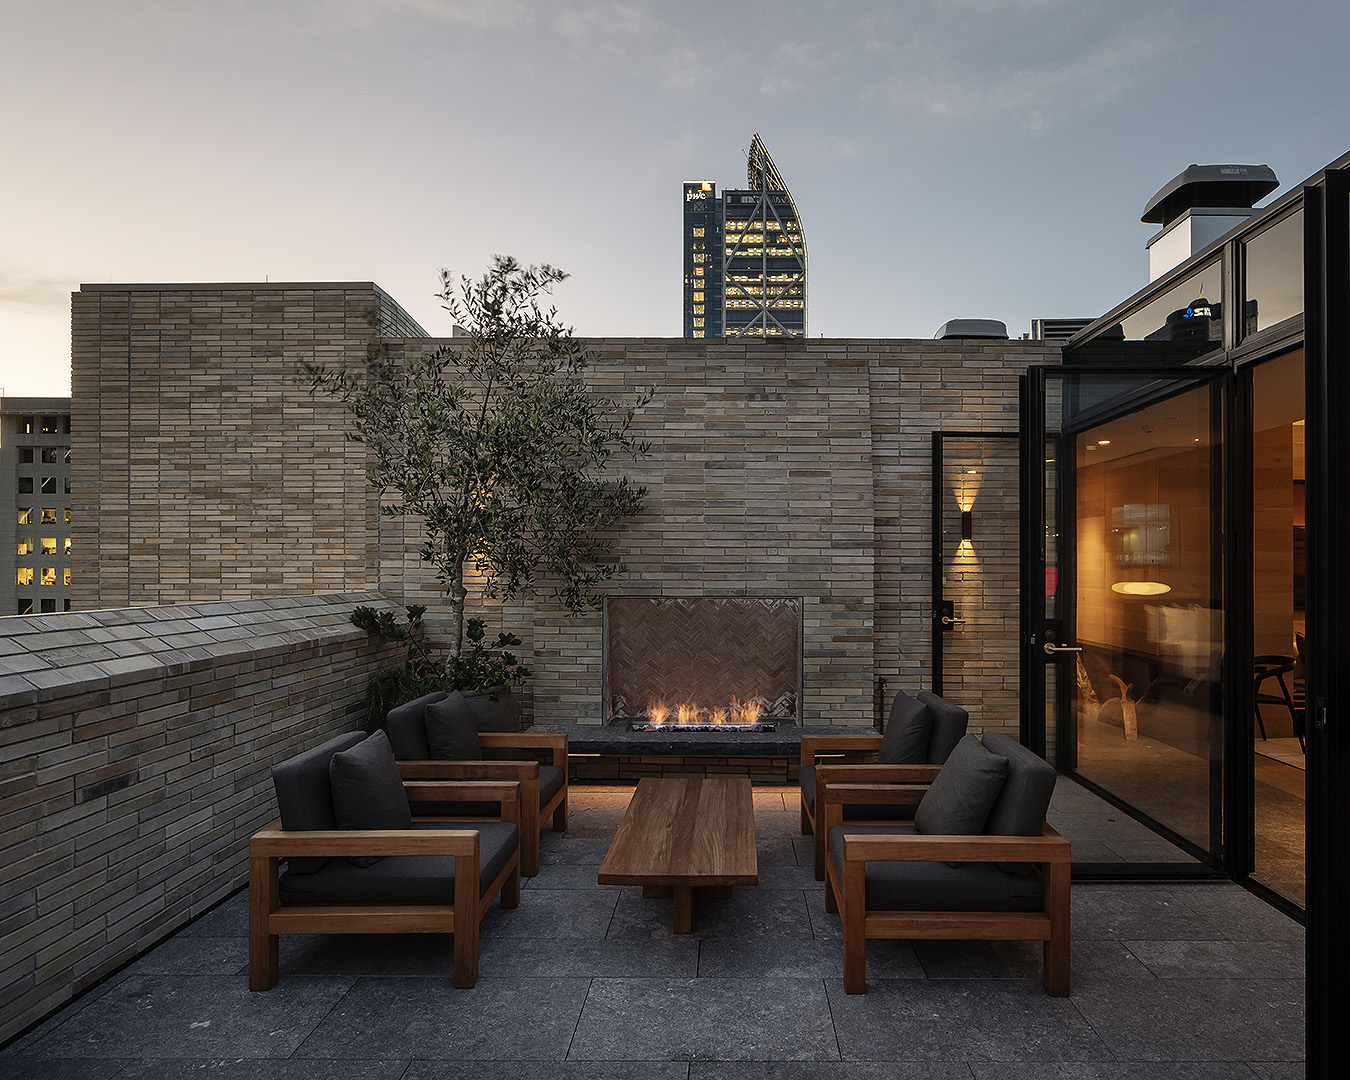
[(1239, 914), (1279, 1070), (795, 958), (200, 1016), (500, 1019), (1221, 959), (966, 1020), (1198, 1019), (23, 1067), (264, 1069), (1111, 1070), (356, 955), (750, 911), (673, 957), (827, 1070), (1136, 913), (547, 1070), (229, 918), (182, 955), (566, 876), (568, 849), (554, 913), (705, 1020), (773, 851)]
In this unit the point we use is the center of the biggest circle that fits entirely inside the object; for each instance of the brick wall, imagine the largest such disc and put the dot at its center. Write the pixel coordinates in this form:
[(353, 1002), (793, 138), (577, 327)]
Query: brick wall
[(798, 468), (135, 757)]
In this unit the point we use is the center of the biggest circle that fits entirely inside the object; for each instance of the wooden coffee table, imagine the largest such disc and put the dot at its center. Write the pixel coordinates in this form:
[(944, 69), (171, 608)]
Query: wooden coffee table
[(685, 837)]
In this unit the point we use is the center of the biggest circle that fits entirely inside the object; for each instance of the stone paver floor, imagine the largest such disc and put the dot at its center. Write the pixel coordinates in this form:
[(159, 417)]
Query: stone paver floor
[(1187, 981)]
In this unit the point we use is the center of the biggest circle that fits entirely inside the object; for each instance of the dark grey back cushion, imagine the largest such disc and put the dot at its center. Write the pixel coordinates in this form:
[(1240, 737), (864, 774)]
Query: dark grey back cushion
[(305, 795), (502, 714), (367, 790), (905, 740), (452, 734), (958, 801), (1022, 805), (406, 725), (948, 727)]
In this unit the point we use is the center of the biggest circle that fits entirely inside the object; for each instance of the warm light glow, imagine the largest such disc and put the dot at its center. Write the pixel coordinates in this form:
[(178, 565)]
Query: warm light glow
[(1140, 588), (1103, 442), (657, 712), (719, 716), (686, 712)]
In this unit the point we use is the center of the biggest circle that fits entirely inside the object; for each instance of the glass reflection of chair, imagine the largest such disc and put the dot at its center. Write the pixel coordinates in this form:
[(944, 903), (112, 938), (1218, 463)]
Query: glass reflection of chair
[(1275, 666)]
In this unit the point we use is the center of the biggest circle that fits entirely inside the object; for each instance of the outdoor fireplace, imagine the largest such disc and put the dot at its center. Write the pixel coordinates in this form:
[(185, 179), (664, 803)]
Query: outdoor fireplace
[(708, 663)]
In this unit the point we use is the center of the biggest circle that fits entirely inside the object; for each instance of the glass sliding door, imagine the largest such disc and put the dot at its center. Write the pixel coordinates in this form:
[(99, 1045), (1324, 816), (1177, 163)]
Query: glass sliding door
[(1125, 613)]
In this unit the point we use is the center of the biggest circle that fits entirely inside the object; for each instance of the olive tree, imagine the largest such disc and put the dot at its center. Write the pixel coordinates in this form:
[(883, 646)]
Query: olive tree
[(497, 444)]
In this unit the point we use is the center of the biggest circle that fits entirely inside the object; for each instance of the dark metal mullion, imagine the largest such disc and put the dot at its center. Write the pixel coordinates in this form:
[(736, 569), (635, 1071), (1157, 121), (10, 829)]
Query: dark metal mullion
[(1239, 635), (935, 616)]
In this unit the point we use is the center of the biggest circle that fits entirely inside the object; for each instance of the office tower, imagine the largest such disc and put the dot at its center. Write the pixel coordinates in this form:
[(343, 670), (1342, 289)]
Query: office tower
[(744, 257), (35, 482)]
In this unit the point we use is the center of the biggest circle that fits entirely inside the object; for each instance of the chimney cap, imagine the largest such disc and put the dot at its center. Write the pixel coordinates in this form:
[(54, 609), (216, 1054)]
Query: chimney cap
[(972, 328), (1237, 186)]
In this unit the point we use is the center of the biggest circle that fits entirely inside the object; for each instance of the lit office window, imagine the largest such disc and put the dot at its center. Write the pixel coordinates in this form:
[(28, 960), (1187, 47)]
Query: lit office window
[(698, 333), (67, 515), (67, 544), (49, 517), (49, 545), (66, 575), (698, 309), (698, 296), (26, 546), (25, 515), (698, 322), (24, 576), (49, 575), (698, 230)]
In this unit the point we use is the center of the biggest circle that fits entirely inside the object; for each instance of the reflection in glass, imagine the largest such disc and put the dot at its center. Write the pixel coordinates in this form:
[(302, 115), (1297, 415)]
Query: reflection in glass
[(1274, 261)]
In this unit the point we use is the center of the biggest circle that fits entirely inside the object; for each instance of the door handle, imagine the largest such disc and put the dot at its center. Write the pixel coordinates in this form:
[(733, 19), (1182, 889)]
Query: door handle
[(947, 620), (1051, 648)]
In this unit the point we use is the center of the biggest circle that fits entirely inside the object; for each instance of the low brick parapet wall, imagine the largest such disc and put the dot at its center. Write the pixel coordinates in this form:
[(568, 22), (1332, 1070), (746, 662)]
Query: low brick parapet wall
[(135, 754)]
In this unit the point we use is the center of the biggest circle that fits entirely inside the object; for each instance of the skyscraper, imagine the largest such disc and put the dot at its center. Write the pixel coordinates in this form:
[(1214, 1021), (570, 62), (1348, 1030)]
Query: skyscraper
[(744, 257)]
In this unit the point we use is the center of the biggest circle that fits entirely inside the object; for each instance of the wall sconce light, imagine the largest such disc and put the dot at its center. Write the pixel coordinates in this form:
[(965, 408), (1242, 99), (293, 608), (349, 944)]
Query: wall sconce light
[(966, 525)]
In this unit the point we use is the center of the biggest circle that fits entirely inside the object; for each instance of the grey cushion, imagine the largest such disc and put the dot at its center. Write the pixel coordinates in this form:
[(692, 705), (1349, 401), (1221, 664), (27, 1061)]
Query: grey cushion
[(958, 801), (936, 886), (905, 740), (501, 714), (407, 728), (451, 732), (852, 812), (305, 795), (550, 783), (367, 790), (948, 727), (403, 879), (1022, 804)]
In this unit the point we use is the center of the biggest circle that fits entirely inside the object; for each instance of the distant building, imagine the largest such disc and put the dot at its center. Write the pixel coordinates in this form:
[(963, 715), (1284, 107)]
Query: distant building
[(744, 257), (35, 489), (1056, 329)]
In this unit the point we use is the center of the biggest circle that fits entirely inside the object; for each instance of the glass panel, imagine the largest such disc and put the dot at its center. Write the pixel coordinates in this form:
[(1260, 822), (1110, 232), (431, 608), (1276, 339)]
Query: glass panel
[(980, 578), (1146, 607), (1188, 316), (1274, 275), (1278, 623)]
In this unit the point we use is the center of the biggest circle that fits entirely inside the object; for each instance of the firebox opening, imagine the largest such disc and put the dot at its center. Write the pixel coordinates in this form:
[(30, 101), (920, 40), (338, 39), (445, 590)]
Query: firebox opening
[(723, 663)]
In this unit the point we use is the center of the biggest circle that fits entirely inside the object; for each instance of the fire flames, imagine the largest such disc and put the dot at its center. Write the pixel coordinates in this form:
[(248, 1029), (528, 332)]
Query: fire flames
[(659, 714)]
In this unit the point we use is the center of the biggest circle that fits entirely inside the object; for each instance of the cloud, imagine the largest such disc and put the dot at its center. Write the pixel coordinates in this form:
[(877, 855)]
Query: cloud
[(24, 291), (478, 14)]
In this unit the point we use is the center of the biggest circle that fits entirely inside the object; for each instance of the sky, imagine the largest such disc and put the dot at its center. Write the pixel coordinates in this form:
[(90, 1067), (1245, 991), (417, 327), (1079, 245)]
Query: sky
[(949, 158)]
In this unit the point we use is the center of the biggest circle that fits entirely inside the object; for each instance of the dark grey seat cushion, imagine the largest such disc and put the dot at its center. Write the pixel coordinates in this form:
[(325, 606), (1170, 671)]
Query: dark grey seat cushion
[(860, 812), (948, 727), (367, 790), (936, 886), (958, 801), (305, 793), (451, 734), (1022, 804), (406, 725), (908, 730), (403, 879), (550, 783)]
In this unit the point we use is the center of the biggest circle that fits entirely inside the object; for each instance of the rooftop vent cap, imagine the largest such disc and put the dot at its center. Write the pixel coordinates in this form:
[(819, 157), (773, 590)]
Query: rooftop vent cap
[(1238, 186), (972, 328)]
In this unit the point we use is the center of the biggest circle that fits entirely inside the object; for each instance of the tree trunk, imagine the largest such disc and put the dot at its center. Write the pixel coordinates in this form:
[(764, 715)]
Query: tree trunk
[(457, 594)]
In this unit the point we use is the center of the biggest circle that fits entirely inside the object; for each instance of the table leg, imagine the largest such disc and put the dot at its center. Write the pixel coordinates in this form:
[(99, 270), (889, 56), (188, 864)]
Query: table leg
[(684, 909)]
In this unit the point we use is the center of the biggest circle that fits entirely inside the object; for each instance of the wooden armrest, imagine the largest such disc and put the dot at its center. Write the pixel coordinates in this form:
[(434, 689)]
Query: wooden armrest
[(874, 773), (844, 741), (1049, 847), (876, 794), (554, 742), (469, 770), (275, 842), (505, 792)]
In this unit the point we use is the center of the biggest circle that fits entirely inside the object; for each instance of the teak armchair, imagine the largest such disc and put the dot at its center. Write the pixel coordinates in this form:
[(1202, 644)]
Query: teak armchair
[(893, 881), (432, 878), (543, 784)]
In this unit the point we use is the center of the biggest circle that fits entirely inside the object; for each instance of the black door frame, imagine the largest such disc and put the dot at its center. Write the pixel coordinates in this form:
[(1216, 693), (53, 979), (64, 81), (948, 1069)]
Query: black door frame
[(1034, 498)]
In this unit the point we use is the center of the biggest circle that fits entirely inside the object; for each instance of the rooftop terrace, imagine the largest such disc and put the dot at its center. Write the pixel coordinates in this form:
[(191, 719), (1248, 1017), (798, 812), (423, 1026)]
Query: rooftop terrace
[(1192, 980)]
